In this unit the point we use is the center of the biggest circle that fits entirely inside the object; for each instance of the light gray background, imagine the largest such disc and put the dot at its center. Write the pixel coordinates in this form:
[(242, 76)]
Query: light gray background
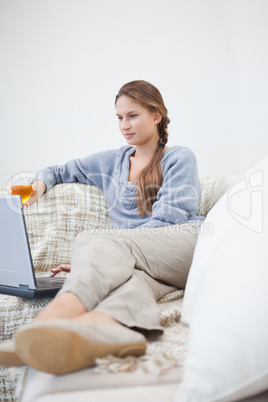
[(63, 61)]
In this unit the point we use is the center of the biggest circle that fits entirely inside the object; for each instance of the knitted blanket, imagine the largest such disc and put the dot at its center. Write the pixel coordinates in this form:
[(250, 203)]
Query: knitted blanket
[(52, 224)]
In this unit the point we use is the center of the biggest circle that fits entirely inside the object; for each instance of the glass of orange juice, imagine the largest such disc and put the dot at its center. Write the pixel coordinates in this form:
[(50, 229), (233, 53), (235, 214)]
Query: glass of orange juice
[(21, 185)]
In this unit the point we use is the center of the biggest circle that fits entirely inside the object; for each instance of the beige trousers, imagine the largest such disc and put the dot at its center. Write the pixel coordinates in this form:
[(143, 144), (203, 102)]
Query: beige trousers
[(124, 272)]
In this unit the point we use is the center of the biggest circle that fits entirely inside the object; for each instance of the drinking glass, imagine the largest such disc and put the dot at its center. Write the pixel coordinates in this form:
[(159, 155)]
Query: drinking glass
[(21, 185)]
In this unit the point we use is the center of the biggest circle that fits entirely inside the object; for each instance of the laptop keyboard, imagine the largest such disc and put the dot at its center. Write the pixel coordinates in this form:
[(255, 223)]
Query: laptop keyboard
[(49, 282)]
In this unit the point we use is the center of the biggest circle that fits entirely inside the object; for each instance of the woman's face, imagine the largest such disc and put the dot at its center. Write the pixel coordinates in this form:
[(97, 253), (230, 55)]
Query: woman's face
[(136, 123)]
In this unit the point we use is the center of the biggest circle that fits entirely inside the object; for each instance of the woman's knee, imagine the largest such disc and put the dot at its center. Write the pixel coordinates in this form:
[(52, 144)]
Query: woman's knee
[(97, 234), (99, 247)]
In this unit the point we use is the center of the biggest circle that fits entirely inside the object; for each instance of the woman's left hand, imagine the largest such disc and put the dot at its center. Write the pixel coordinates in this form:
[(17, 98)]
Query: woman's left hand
[(61, 268)]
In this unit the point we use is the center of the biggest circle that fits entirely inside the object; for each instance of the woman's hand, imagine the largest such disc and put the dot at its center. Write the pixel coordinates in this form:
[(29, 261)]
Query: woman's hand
[(39, 188), (61, 268)]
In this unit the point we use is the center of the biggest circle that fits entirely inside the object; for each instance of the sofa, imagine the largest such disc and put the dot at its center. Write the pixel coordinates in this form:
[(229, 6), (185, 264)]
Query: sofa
[(52, 224)]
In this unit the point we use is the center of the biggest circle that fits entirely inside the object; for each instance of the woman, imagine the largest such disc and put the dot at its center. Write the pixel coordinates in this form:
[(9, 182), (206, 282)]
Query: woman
[(108, 303)]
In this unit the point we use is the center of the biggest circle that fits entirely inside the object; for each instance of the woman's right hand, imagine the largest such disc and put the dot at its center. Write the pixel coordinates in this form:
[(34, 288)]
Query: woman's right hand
[(61, 268), (39, 188)]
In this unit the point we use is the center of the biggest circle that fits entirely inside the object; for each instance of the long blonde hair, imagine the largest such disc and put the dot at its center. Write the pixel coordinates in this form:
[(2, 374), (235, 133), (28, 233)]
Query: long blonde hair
[(151, 177)]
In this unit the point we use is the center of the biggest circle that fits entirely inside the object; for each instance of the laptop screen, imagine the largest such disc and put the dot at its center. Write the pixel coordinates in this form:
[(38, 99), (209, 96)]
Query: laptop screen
[(16, 266)]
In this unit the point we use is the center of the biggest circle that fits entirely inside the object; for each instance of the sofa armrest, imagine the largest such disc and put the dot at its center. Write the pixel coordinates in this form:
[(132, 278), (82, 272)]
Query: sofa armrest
[(213, 189)]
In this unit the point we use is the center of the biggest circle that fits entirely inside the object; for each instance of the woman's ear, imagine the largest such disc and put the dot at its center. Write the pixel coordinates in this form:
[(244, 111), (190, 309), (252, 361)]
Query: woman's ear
[(157, 117)]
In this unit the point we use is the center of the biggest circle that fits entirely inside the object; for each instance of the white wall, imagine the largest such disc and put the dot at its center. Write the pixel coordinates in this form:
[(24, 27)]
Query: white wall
[(63, 61)]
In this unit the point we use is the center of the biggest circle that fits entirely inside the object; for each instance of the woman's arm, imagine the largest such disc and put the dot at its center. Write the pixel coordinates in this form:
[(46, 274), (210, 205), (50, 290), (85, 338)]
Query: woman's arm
[(90, 170)]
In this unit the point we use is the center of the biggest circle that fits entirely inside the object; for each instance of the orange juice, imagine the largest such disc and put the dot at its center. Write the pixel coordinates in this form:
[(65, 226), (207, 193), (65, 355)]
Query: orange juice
[(24, 191)]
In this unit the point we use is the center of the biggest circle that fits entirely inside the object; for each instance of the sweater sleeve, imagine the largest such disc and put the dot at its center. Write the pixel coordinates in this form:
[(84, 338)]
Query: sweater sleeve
[(94, 169), (179, 195)]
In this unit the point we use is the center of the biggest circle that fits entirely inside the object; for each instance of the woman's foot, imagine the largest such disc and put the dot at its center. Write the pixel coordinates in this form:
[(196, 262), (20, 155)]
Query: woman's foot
[(63, 346), (8, 355)]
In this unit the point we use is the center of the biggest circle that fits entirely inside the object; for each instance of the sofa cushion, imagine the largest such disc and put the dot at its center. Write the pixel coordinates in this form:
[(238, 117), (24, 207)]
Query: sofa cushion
[(226, 298), (154, 366)]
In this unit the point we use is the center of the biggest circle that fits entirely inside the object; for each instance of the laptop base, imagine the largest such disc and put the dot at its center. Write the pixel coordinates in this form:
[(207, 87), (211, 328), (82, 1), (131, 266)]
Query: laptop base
[(25, 292)]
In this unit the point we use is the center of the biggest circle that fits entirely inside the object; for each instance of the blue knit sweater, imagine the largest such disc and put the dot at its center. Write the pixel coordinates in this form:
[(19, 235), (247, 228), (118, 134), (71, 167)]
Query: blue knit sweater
[(177, 199)]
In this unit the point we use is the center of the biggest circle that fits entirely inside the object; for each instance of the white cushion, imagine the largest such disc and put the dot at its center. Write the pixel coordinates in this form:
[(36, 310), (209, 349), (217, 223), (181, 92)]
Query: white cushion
[(226, 298)]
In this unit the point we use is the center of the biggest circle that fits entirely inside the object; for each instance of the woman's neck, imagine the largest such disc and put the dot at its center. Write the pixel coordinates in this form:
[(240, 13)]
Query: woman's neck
[(144, 152)]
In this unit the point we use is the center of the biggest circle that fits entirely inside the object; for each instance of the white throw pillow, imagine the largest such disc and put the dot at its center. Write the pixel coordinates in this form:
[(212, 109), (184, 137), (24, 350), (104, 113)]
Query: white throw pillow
[(226, 298)]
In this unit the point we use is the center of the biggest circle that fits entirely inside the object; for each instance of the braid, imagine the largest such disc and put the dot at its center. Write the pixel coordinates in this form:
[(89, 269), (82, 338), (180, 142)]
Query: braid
[(163, 131), (151, 177)]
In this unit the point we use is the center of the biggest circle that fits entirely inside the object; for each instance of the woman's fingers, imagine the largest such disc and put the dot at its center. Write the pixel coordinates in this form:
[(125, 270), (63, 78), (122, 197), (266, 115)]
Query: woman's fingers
[(39, 188), (61, 268), (55, 271), (33, 198), (65, 267)]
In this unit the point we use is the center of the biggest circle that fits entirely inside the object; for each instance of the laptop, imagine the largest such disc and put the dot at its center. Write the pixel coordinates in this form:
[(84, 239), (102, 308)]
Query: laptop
[(17, 276)]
